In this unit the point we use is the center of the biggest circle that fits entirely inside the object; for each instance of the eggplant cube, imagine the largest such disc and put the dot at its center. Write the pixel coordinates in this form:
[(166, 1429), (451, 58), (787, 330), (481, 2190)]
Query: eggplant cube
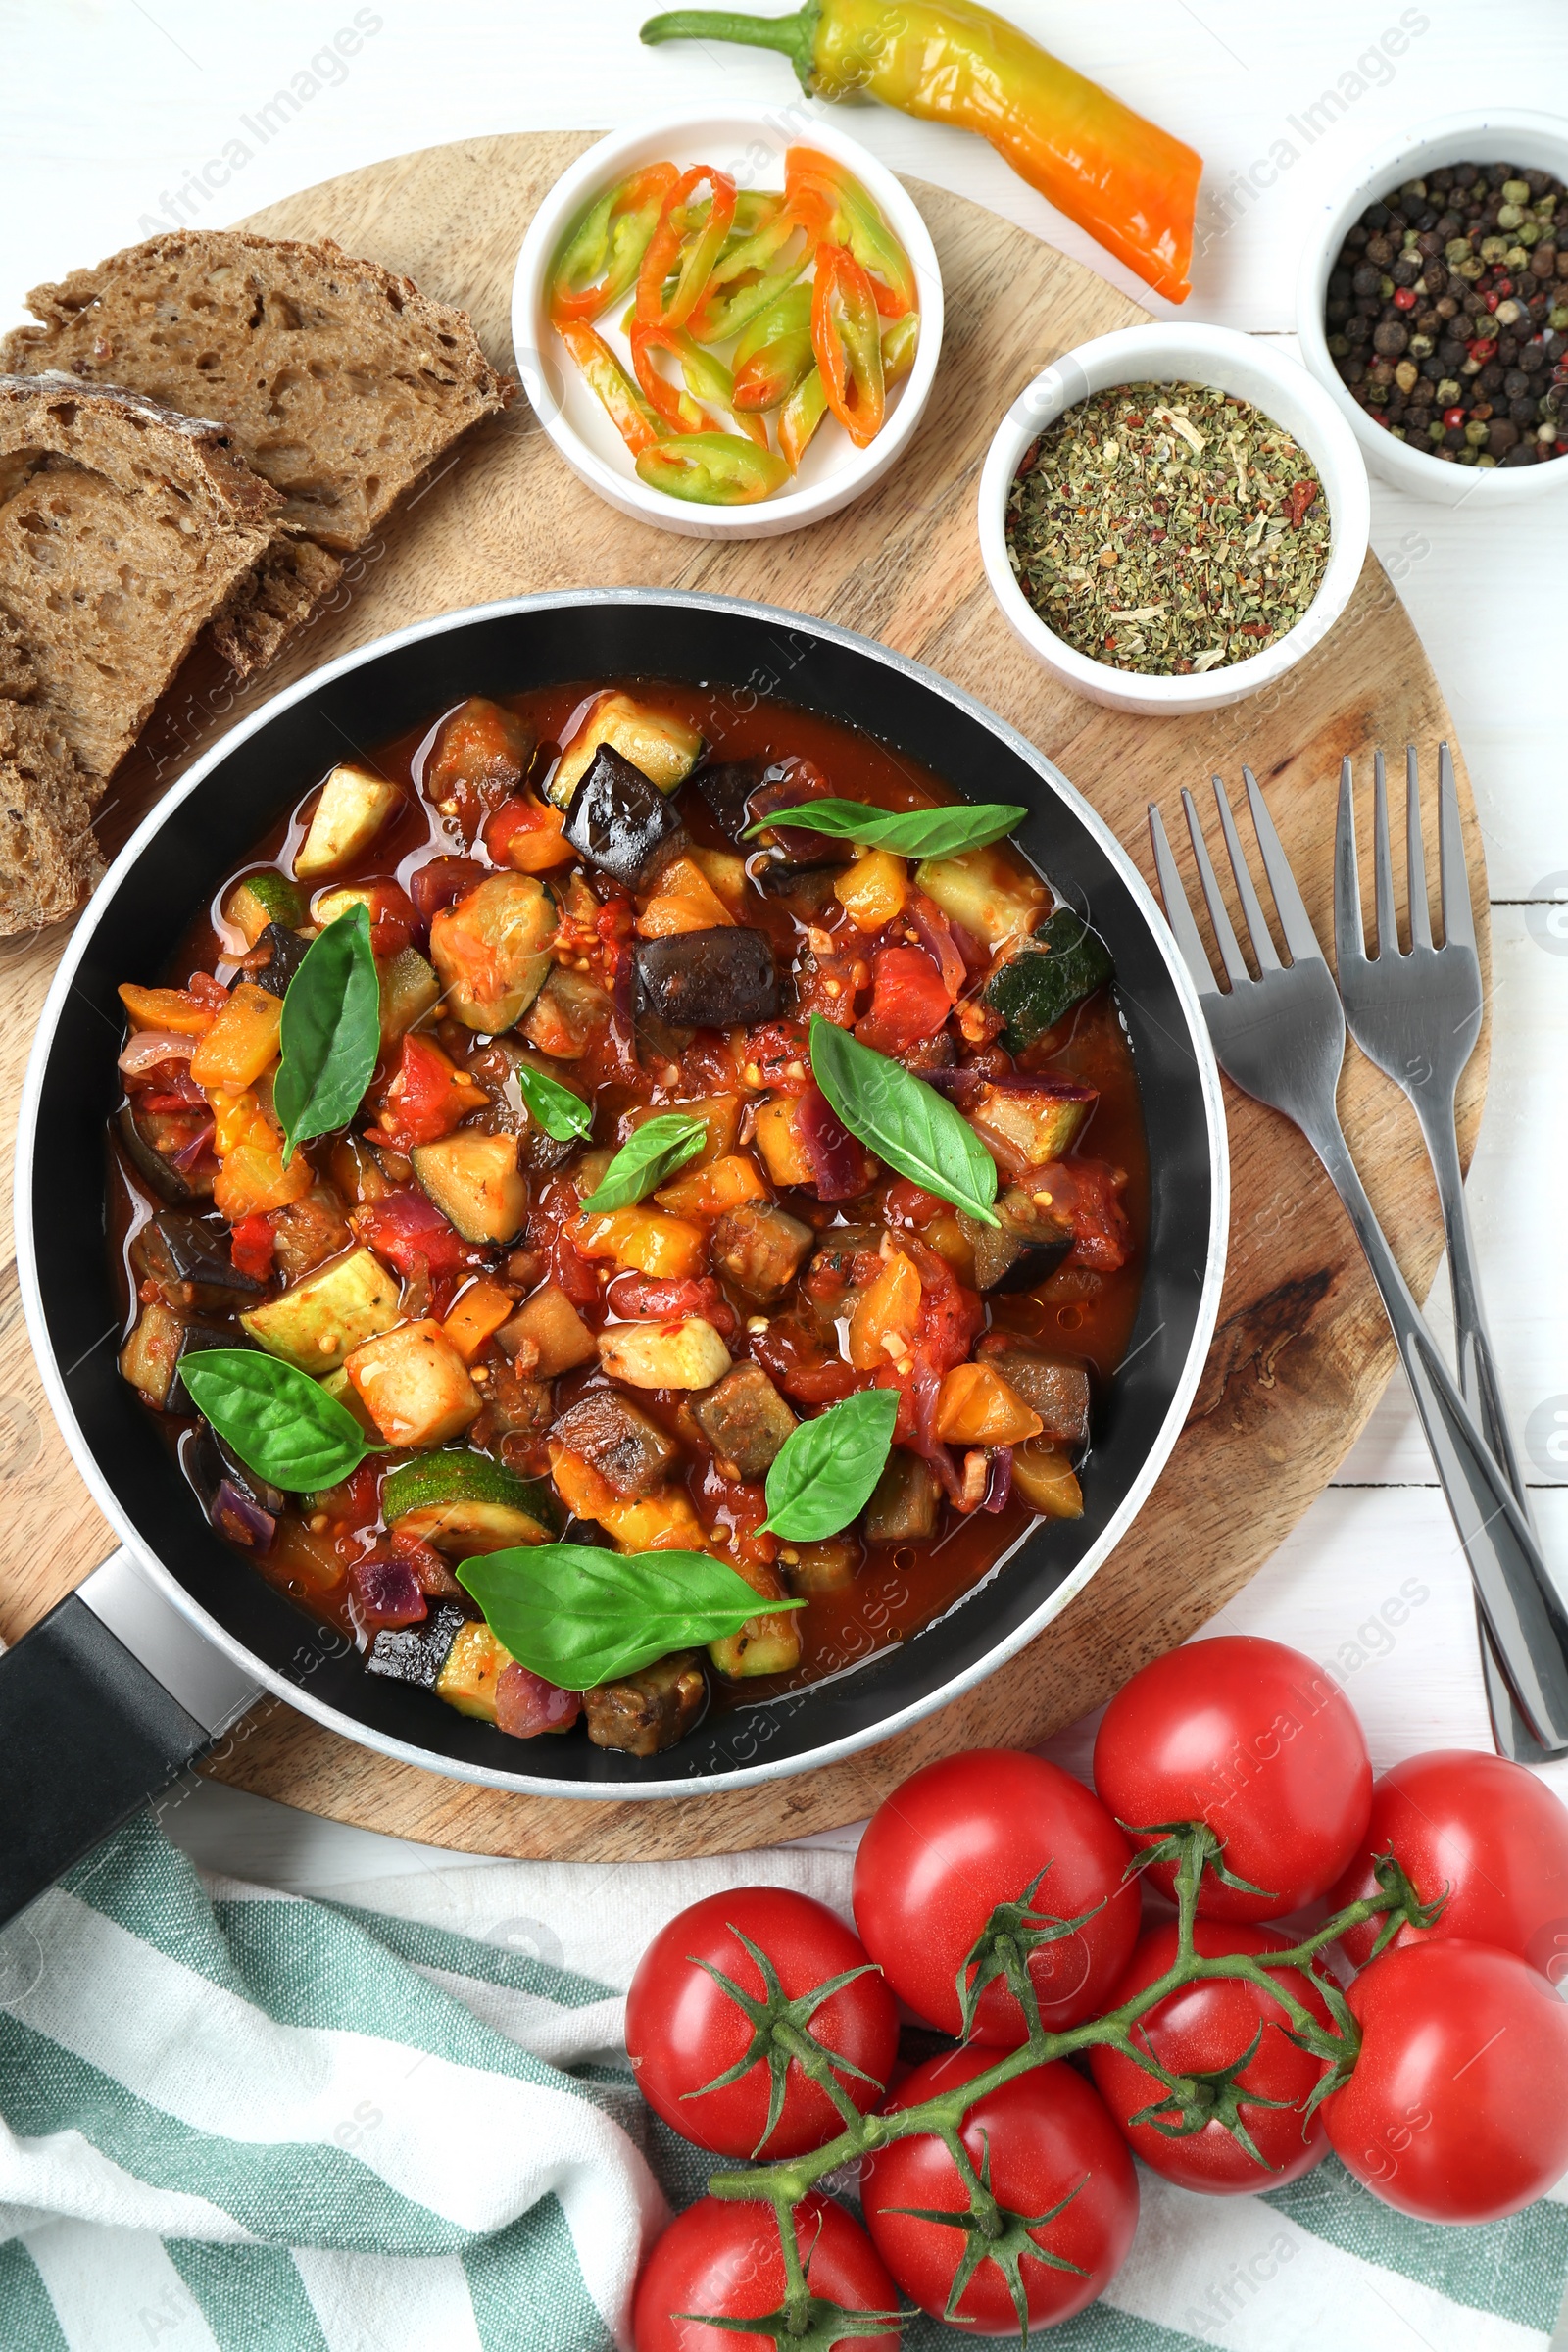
[(416, 1653), (727, 786), (1028, 1122), (629, 1451), (415, 1385), (649, 1711), (286, 953), (744, 1420), (190, 1261), (759, 1249), (719, 979), (619, 821), (1021, 1250)]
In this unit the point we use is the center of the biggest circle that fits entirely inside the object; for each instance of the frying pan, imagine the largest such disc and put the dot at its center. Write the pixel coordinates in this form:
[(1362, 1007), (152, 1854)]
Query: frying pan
[(115, 1691)]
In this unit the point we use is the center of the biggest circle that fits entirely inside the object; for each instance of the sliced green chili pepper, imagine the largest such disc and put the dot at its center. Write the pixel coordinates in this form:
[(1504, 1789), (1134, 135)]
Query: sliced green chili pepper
[(636, 422), (835, 210), (717, 317), (776, 353), (846, 341), (704, 376), (694, 266), (806, 404), (608, 245), (714, 470)]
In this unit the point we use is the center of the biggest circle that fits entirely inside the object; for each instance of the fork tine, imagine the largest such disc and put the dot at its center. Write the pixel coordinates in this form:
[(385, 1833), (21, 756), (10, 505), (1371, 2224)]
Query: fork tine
[(1382, 863), (1295, 922), (1252, 906), (1415, 855), (1349, 939), (1459, 922), (1230, 954), (1177, 912)]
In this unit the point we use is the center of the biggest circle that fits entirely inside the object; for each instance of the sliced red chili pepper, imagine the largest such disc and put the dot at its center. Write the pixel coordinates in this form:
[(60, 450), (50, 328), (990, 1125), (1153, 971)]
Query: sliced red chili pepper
[(663, 258), (1298, 498), (629, 411), (848, 343), (679, 410), (834, 209)]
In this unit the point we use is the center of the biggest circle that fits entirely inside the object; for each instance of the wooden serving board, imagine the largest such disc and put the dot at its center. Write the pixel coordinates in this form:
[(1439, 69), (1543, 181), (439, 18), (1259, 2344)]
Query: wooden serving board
[(1301, 1349)]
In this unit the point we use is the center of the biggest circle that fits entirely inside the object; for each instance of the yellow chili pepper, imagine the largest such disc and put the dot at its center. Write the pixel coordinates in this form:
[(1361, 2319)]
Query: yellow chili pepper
[(1130, 184)]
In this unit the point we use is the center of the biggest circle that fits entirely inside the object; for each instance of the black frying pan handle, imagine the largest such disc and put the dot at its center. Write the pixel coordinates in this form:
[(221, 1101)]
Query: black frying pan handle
[(94, 1721)]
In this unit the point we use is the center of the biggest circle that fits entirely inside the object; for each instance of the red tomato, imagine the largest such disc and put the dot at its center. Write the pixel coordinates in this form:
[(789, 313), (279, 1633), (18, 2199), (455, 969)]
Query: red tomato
[(393, 920), (1491, 1833), (682, 2028), (727, 2260), (427, 1095), (1260, 1743), (1206, 2025), (909, 1000), (1049, 2144), (1457, 2110), (250, 1246), (962, 1836)]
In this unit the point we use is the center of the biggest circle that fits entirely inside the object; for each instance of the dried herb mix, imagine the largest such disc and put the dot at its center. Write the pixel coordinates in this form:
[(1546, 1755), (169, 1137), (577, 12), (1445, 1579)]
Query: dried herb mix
[(1168, 528)]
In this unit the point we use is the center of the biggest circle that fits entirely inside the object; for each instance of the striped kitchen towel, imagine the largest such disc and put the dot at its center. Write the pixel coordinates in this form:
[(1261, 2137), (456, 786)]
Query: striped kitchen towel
[(240, 2121)]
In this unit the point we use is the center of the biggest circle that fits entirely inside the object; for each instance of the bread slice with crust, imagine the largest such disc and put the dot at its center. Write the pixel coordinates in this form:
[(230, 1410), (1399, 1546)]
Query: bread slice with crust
[(48, 857), (338, 382), (123, 529)]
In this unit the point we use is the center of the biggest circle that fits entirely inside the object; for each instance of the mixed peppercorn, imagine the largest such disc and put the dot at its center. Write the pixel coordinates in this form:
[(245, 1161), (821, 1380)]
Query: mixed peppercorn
[(1447, 314)]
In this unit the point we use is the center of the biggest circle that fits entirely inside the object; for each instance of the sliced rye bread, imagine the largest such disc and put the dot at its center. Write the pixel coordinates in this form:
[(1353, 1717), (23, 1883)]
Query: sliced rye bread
[(123, 529), (338, 382)]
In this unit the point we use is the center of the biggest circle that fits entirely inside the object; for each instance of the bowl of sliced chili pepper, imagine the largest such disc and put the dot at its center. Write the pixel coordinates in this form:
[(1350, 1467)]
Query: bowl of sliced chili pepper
[(725, 332)]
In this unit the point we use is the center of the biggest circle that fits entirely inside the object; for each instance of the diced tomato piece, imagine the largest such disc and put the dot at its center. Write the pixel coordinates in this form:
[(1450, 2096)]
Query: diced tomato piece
[(907, 1204), (950, 1317), (406, 1226), (558, 1204), (250, 1245), (428, 1095), (1085, 1195), (394, 918), (528, 836), (909, 1000), (663, 1299), (431, 1572), (442, 881), (179, 1094), (802, 1366), (526, 1704), (207, 991), (482, 752), (780, 1053)]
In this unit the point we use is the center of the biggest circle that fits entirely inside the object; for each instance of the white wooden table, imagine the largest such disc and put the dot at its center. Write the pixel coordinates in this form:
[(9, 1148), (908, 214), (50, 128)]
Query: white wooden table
[(118, 118)]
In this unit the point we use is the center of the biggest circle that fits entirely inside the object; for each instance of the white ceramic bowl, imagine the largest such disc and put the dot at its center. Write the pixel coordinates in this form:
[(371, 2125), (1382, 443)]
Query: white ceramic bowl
[(1492, 136), (1251, 369), (748, 144)]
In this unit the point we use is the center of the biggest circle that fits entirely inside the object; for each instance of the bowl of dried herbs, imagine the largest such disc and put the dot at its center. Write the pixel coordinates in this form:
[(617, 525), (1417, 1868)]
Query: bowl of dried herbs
[(1172, 516)]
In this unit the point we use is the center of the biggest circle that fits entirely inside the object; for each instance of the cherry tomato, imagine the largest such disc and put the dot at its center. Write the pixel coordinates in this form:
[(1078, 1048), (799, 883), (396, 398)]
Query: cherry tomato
[(1457, 2110), (1206, 2025), (1260, 1743), (962, 1836), (1491, 1833), (727, 2260), (683, 2029), (1048, 2144)]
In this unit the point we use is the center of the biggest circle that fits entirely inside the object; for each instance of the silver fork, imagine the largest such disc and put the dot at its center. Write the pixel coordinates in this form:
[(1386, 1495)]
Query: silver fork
[(1281, 1038), (1416, 1013)]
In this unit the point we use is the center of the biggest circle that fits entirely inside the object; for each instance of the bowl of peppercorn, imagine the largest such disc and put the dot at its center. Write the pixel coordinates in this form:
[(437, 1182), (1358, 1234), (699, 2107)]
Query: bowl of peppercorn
[(1172, 516), (1433, 306)]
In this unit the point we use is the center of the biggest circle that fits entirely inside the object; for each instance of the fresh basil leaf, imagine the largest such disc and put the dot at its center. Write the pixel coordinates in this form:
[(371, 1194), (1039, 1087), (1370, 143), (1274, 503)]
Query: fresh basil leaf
[(824, 1472), (283, 1424), (908, 832), (559, 1112), (656, 1151), (581, 1615), (903, 1122), (331, 1032)]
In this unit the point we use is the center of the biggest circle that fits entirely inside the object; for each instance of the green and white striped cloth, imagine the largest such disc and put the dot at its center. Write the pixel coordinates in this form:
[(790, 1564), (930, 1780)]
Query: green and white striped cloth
[(241, 2122)]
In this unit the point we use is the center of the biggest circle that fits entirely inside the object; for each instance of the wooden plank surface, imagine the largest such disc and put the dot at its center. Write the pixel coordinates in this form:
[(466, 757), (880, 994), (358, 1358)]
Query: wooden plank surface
[(1302, 1350)]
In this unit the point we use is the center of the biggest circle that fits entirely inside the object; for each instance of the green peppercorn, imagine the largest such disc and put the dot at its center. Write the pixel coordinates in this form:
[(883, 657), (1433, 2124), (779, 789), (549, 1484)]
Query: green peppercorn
[(1510, 215), (1516, 191), (1475, 432), (1472, 269), (1456, 249), (1531, 233), (1436, 429), (1557, 317), (1492, 249), (1517, 257)]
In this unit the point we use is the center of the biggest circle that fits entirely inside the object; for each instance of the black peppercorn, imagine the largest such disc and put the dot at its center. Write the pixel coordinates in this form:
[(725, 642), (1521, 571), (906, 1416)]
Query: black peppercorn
[(1501, 436), (1391, 338), (1366, 279)]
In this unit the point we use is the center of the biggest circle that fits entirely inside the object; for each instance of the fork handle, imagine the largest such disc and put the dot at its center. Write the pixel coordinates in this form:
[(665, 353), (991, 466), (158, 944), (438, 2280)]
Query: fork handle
[(1481, 1390), (1479, 1383), (1523, 1612)]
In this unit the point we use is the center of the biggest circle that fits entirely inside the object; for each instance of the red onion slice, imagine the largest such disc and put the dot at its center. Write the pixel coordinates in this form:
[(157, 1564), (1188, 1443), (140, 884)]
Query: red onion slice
[(931, 927), (526, 1704), (1000, 1484), (838, 1162), (243, 1520), (186, 1158), (148, 1046), (385, 1592)]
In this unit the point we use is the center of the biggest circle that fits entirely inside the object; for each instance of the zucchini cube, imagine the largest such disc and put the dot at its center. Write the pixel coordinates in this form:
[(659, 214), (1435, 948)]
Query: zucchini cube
[(414, 1384)]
